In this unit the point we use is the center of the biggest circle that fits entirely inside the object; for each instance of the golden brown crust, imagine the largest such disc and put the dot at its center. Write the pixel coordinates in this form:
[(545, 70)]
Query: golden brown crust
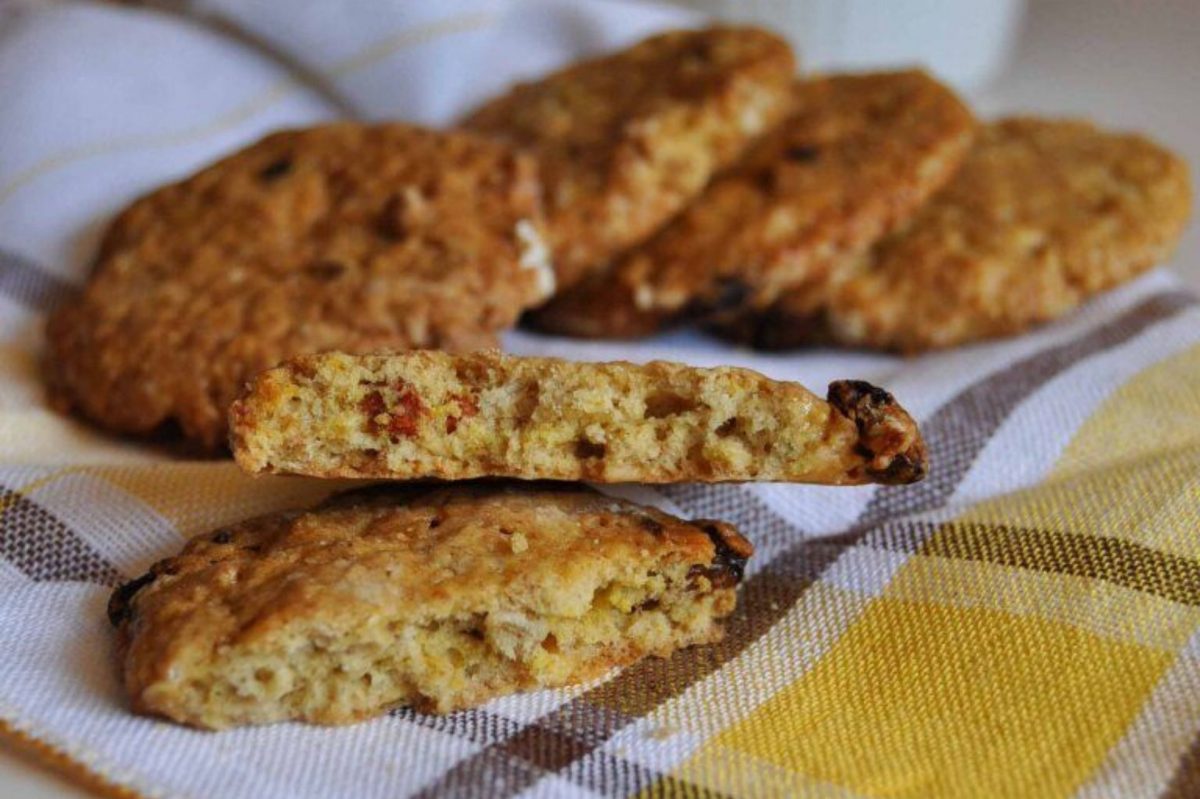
[(438, 596), (857, 157), (343, 236), (625, 140), (1043, 215), (432, 414)]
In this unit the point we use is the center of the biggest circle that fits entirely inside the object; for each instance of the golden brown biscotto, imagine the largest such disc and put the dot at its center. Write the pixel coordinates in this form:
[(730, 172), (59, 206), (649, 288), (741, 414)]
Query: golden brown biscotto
[(857, 157), (1043, 215), (433, 596), (625, 140), (347, 236), (432, 414)]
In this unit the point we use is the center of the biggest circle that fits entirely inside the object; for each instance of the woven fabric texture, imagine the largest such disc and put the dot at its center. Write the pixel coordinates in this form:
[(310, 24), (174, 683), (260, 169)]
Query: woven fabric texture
[(1025, 622)]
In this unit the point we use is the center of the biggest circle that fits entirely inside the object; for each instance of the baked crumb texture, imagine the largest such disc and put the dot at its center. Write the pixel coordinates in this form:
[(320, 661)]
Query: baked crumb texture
[(436, 597), (434, 414), (627, 139)]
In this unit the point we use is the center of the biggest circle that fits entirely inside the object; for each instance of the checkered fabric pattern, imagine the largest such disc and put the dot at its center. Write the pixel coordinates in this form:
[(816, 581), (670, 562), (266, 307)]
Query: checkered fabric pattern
[(1025, 622)]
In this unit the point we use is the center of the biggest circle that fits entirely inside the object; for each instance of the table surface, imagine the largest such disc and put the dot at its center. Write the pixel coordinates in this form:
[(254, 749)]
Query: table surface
[(1123, 64)]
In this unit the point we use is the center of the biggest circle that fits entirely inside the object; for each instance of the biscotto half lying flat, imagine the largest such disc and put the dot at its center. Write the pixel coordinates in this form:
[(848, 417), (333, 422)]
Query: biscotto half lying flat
[(1043, 215), (432, 414), (857, 157), (625, 140), (439, 597), (350, 237)]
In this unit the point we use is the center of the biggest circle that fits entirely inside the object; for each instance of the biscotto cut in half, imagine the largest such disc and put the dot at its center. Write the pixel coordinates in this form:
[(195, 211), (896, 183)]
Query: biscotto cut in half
[(346, 236), (437, 597), (1043, 215), (854, 160), (486, 414), (627, 139)]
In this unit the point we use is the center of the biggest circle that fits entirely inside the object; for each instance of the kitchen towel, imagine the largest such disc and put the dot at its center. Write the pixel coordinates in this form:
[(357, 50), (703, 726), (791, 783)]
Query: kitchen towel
[(1025, 622)]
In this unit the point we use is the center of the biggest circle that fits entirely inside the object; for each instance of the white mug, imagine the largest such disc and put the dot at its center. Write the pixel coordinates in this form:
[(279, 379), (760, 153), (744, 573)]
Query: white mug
[(965, 42)]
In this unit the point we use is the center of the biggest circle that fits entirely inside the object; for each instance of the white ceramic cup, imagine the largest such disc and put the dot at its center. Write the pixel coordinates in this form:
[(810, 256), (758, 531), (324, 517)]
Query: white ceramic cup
[(965, 42)]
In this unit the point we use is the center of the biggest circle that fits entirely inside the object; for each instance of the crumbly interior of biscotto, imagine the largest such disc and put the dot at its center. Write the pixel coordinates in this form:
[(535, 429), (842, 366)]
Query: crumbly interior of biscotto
[(341, 674), (425, 414)]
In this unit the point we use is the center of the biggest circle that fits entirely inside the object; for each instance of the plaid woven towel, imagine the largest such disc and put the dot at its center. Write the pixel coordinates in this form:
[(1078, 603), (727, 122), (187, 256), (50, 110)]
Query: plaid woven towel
[(1023, 623)]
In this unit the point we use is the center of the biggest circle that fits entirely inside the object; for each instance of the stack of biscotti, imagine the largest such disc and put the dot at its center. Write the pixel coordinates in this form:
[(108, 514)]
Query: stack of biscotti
[(441, 595), (339, 282), (877, 214)]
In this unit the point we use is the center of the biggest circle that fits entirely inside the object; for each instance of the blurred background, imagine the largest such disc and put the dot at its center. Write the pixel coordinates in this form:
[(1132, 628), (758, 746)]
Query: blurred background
[(1123, 63)]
